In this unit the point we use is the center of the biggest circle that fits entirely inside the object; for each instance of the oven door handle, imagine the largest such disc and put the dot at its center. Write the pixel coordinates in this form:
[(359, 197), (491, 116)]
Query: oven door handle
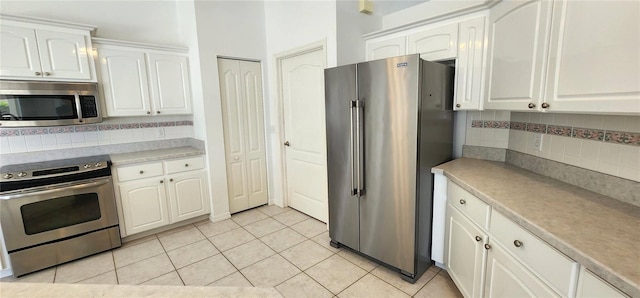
[(42, 190)]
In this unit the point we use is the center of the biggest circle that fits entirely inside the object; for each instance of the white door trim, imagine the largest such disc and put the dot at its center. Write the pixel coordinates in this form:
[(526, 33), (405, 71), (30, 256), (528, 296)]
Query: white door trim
[(320, 45)]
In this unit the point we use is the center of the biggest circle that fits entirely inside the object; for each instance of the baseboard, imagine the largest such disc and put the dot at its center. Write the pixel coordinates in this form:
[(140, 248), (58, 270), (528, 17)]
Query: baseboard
[(219, 217)]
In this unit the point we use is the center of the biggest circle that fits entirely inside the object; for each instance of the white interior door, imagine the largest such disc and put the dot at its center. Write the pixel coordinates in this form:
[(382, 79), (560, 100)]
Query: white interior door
[(243, 120), (305, 137)]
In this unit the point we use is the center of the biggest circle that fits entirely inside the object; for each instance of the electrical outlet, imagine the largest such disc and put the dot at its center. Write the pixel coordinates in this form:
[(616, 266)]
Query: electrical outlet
[(537, 141), (161, 134)]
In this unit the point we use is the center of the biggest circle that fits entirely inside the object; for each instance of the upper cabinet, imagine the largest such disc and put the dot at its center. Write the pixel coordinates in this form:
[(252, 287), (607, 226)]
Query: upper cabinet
[(564, 56), (518, 35), (461, 40), (37, 51), (435, 44), (141, 80), (594, 57), (391, 47)]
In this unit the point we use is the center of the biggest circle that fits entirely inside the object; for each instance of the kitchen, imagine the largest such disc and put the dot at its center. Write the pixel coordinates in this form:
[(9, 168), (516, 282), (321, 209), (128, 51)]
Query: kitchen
[(228, 29)]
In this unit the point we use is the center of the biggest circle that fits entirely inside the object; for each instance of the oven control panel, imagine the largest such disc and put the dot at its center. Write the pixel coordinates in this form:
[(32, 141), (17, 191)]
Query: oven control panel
[(53, 172)]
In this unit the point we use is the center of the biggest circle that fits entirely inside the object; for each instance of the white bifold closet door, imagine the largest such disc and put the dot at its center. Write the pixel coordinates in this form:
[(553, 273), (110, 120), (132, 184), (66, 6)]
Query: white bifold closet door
[(244, 140)]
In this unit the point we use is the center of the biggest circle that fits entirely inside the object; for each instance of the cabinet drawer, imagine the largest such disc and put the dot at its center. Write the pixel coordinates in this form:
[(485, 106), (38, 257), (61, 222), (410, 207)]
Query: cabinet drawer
[(139, 171), (185, 164), (471, 206), (552, 266)]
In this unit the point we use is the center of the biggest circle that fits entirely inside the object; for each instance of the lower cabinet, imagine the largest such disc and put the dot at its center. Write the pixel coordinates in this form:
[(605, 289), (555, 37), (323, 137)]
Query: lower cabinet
[(153, 195), (465, 255), (590, 285), (506, 277)]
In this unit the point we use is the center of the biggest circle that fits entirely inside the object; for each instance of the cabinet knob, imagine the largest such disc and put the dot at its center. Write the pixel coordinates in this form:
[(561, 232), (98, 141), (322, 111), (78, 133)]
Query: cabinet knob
[(478, 238), (462, 202), (161, 181), (141, 172), (532, 105), (487, 246), (38, 73), (236, 158), (458, 105), (148, 112), (171, 180), (157, 112), (517, 243), (186, 164), (545, 105), (286, 143), (47, 73)]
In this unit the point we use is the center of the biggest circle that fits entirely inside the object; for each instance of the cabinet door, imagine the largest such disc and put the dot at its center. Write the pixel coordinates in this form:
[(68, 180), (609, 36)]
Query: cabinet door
[(435, 44), (144, 204), (506, 277), (465, 254), (170, 84), (19, 53), (188, 195), (468, 95), (594, 58), (123, 77), (590, 285), (518, 39), (65, 55), (387, 48)]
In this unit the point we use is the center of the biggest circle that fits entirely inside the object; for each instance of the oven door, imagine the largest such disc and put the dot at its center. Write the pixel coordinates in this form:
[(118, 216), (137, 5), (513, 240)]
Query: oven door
[(50, 213)]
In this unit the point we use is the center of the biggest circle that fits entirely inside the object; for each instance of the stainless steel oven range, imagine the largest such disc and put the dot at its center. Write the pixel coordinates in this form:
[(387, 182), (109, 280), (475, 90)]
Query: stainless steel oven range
[(57, 211)]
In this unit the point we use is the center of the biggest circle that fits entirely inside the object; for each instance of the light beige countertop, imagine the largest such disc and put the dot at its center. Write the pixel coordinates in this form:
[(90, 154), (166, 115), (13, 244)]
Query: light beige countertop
[(16, 289), (154, 155), (600, 233)]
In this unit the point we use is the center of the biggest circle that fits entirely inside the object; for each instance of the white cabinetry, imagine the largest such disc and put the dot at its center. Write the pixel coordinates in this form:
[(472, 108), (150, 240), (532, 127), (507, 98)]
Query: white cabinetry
[(463, 41), (594, 57), (156, 194), (592, 286), (386, 48), (564, 56), (517, 263), (440, 43), (518, 37), (139, 79), (56, 52)]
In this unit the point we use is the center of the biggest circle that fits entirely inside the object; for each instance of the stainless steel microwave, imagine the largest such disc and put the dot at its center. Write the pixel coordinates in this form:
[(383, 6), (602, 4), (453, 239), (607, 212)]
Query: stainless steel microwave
[(48, 103)]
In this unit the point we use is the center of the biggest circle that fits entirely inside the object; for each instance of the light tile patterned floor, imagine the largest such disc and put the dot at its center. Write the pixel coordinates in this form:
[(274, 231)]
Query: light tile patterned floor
[(263, 247)]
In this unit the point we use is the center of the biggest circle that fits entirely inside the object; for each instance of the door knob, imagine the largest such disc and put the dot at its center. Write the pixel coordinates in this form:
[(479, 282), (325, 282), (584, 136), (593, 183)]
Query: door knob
[(286, 143)]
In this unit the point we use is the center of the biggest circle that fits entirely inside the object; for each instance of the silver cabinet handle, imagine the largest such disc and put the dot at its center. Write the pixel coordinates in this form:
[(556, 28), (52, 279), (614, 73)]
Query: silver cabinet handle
[(458, 105), (38, 73), (478, 238), (141, 172), (531, 105), (148, 112), (517, 243), (171, 180), (545, 105), (157, 112), (47, 73), (286, 143), (161, 181), (462, 202), (487, 246), (186, 164)]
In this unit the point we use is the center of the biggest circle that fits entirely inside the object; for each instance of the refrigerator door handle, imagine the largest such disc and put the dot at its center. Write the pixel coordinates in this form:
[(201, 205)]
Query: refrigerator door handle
[(359, 175), (354, 190)]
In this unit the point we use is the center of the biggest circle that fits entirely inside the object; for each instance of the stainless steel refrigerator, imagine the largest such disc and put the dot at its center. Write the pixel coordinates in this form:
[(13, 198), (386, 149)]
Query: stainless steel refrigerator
[(388, 122)]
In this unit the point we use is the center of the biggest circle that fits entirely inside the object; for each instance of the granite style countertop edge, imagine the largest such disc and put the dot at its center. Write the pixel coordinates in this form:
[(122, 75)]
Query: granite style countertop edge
[(589, 262), (120, 159)]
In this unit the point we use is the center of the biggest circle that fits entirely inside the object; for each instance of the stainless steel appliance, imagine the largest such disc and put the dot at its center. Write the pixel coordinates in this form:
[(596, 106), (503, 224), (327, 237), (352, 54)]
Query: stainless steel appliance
[(57, 211), (388, 122), (48, 103)]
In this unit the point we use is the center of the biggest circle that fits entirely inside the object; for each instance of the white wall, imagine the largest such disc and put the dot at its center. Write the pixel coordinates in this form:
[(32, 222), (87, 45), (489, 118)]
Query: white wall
[(141, 21), (290, 25), (222, 28), (351, 25)]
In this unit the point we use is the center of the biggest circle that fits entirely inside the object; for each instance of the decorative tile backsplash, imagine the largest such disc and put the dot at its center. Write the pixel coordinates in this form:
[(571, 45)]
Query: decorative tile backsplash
[(606, 144), (111, 131)]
